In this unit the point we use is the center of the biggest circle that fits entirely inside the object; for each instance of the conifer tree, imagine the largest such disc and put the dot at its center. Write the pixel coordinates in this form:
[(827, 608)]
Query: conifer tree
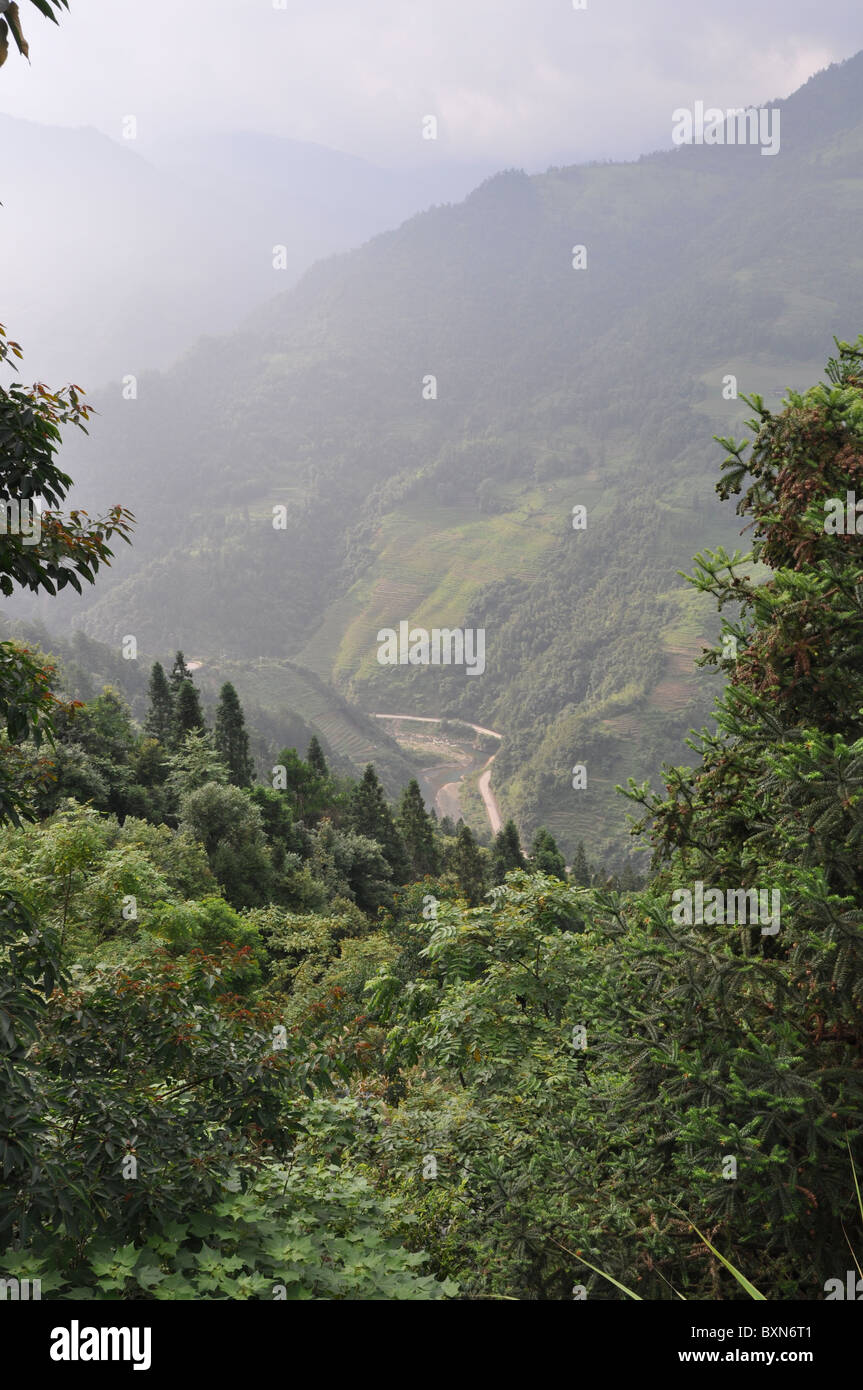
[(370, 815), (467, 865), (179, 673), (187, 712), (415, 827), (194, 764), (159, 723), (506, 853), (581, 872), (316, 760), (545, 856), (231, 737), (302, 785)]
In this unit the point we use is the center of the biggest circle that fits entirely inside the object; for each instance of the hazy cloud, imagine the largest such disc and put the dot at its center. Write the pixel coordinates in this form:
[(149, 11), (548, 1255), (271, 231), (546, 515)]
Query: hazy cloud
[(514, 81)]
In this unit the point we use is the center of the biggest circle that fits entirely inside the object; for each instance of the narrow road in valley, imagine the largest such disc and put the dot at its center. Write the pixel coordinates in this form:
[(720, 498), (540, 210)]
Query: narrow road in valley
[(446, 794), (489, 799), (447, 797)]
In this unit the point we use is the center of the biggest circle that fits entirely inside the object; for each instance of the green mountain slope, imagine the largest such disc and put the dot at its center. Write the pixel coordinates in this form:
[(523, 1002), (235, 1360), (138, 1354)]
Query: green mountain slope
[(555, 387)]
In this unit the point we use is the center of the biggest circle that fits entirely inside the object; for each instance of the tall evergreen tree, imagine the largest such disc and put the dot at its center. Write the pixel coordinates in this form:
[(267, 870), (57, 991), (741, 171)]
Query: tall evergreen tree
[(370, 815), (545, 855), (467, 865), (415, 827), (231, 737), (159, 723), (179, 673), (187, 712), (506, 853), (194, 764), (581, 872), (316, 760)]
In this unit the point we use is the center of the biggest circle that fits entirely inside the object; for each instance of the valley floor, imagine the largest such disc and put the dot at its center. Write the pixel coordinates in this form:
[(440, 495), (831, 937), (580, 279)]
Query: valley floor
[(438, 784)]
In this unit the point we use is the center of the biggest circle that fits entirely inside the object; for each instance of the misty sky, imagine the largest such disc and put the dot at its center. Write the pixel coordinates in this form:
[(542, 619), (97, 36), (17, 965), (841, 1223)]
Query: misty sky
[(526, 82)]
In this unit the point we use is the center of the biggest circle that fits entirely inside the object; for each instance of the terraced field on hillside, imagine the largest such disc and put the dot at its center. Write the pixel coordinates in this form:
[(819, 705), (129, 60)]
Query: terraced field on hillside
[(431, 561)]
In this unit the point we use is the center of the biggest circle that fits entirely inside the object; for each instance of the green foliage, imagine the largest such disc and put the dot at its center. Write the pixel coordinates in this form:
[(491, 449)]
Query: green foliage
[(230, 827), (79, 871), (319, 966), (50, 8), (99, 757), (370, 816), (195, 762), (284, 835), (30, 971), (414, 825), (231, 738), (582, 874), (46, 557), (547, 858), (66, 547), (180, 673), (292, 1235), (209, 926), (351, 865), (330, 1079), (466, 862), (144, 1062), (308, 794), (188, 715), (316, 760), (160, 719), (27, 706), (506, 853)]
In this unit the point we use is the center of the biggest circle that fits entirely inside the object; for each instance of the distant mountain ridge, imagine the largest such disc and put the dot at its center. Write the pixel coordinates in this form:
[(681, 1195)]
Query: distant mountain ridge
[(117, 256)]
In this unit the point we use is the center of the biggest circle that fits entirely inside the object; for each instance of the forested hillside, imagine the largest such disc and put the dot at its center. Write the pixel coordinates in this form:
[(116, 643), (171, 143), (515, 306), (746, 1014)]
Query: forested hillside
[(556, 387), (84, 667), (278, 1039)]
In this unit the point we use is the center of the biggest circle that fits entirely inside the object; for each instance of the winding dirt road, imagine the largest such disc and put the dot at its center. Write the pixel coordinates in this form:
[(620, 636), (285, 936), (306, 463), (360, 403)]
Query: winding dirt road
[(489, 799), (447, 797)]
